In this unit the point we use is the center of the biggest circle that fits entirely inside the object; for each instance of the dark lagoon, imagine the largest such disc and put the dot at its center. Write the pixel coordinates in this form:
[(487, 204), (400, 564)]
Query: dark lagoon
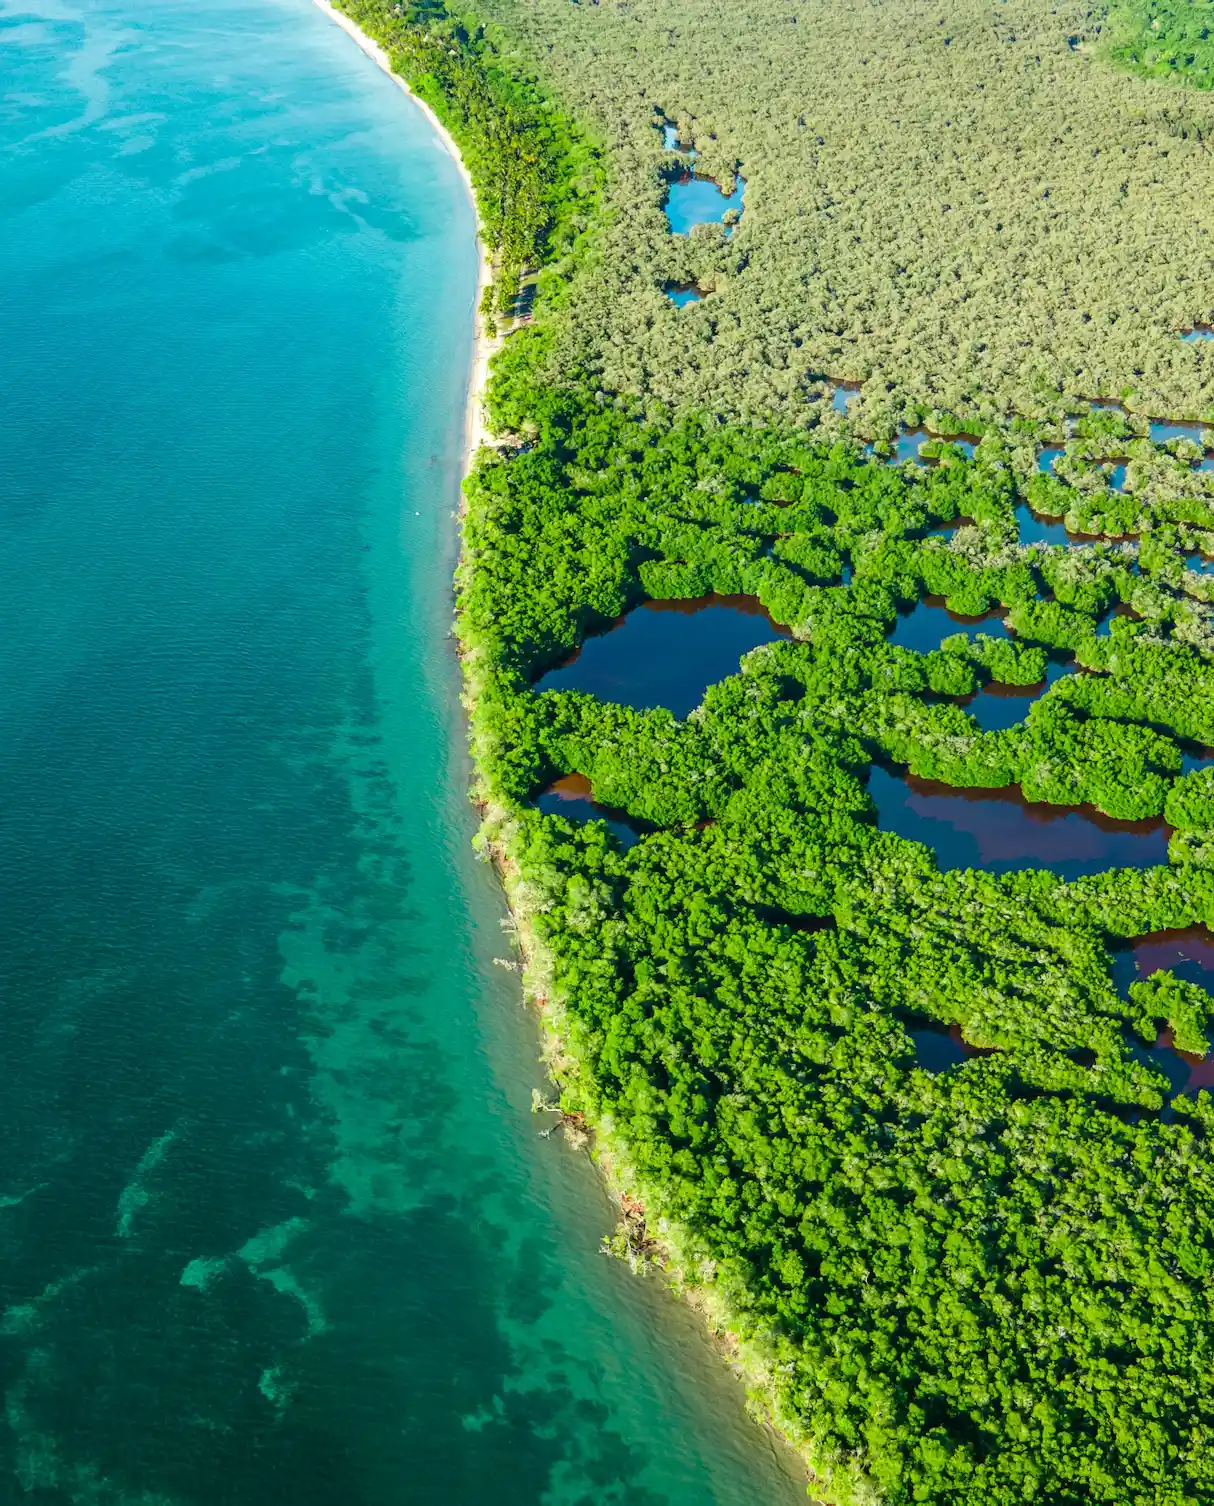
[(1188, 953), (939, 1047), (571, 796), (1000, 831), (278, 1226), (667, 653), (1186, 1073)]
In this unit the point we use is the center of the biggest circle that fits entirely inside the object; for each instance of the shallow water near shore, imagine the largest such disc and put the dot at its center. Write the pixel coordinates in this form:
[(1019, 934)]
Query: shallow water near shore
[(279, 1228)]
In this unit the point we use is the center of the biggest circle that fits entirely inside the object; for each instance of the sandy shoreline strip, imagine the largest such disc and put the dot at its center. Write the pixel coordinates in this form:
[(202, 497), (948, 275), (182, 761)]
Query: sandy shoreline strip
[(482, 347)]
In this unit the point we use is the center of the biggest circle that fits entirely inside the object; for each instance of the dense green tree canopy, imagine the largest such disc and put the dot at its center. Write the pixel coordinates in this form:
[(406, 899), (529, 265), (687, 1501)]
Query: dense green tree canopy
[(957, 204), (983, 1285)]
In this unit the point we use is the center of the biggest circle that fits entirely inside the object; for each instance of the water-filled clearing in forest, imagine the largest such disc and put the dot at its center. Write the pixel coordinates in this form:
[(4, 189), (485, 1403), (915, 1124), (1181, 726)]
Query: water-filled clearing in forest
[(910, 441), (1186, 1072), (1000, 831), (842, 395), (1037, 529), (571, 796), (667, 653), (939, 1047), (1189, 953), (694, 200), (997, 706)]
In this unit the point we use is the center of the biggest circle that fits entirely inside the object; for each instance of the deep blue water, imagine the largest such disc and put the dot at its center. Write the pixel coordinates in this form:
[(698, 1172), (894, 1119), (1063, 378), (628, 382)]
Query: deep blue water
[(573, 798), (277, 1224), (929, 622), (666, 653)]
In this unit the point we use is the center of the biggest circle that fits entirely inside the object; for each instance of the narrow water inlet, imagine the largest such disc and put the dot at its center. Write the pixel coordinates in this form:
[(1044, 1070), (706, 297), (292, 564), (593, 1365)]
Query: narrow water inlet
[(1188, 953), (939, 1047), (926, 625), (571, 796), (996, 707)]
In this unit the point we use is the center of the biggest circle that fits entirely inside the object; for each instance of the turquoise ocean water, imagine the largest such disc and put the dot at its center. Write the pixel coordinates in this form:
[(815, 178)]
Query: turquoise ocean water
[(276, 1228)]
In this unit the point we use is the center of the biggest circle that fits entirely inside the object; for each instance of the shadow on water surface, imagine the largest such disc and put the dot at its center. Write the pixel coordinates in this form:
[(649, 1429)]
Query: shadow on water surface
[(1189, 953), (1037, 528), (910, 441), (810, 924), (842, 395), (939, 1047), (667, 653), (571, 796), (1000, 831), (671, 142), (1186, 1073)]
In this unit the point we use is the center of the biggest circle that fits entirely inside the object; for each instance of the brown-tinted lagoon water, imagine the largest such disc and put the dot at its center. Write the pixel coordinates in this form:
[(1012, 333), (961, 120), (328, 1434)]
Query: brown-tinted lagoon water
[(1187, 953), (1000, 831), (571, 796)]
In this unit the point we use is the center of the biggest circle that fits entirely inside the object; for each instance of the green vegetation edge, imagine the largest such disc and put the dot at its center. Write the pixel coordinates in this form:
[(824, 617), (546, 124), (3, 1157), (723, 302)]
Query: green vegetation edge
[(762, 1201)]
